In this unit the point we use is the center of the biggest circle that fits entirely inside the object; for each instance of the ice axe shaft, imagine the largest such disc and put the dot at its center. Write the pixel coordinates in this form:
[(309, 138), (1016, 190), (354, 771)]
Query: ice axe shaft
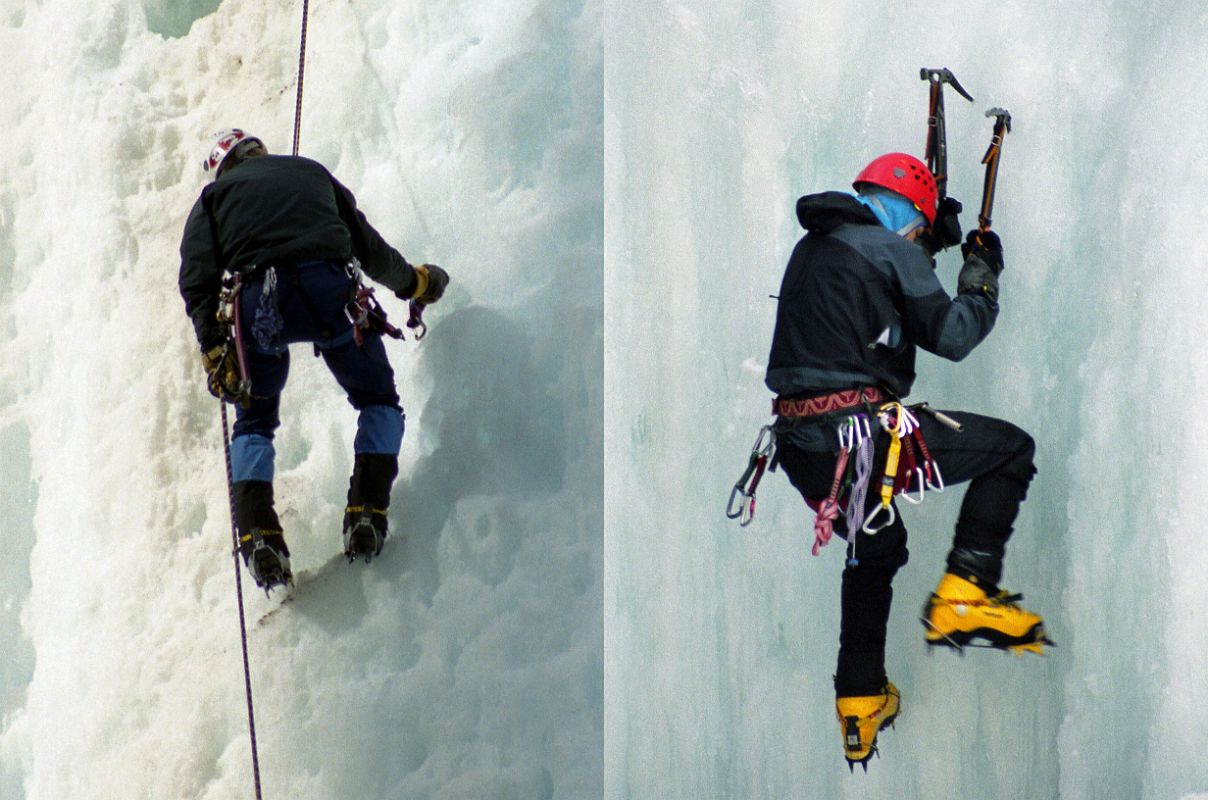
[(1002, 126), (937, 136)]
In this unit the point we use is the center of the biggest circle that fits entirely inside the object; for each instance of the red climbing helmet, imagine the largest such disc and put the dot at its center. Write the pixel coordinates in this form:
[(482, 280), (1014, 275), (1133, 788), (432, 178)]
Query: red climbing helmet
[(905, 175)]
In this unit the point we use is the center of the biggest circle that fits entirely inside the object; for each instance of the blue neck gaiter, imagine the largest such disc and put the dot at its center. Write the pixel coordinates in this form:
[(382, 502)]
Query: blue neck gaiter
[(894, 211)]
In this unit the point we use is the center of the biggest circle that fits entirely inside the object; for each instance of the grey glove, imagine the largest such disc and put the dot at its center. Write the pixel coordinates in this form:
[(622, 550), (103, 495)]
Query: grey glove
[(983, 263)]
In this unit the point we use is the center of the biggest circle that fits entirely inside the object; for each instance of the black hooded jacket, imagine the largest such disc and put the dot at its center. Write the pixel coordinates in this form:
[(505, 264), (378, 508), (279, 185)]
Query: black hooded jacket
[(855, 302), (275, 210)]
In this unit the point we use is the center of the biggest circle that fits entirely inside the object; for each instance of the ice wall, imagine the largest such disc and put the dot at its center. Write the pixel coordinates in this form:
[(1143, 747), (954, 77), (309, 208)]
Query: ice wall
[(467, 661), (721, 641)]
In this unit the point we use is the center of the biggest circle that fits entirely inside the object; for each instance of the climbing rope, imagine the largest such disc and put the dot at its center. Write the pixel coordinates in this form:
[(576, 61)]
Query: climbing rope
[(247, 672), (226, 449), (301, 75)]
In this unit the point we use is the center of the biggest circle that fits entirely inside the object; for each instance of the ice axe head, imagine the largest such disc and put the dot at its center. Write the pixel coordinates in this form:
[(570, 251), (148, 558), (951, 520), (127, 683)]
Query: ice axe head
[(944, 75), (1002, 116)]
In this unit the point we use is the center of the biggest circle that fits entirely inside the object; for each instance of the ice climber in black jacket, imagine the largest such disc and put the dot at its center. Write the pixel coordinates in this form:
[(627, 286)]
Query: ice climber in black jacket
[(859, 296), (291, 230)]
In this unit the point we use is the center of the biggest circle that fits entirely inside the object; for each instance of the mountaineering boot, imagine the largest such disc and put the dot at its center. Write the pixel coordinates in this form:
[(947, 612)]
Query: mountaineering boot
[(365, 531), (261, 540), (861, 719), (267, 558), (961, 610), (365, 520)]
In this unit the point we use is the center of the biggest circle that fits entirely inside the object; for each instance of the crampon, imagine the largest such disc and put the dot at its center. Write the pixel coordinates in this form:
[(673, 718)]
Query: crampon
[(861, 719), (365, 533), (268, 561), (961, 614)]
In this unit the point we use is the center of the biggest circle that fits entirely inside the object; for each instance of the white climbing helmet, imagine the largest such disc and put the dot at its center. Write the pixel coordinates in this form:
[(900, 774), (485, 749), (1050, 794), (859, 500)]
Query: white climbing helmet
[(222, 143)]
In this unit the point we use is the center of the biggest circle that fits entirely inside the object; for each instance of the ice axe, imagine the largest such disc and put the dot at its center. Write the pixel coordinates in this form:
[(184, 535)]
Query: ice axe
[(937, 137), (1002, 126)]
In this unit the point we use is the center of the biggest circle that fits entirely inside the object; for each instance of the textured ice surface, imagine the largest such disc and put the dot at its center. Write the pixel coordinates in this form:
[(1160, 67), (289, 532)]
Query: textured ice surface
[(722, 640), (467, 661)]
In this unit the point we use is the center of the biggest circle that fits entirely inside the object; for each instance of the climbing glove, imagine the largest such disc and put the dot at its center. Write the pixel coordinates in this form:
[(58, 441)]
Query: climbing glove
[(430, 283), (946, 230), (983, 264), (222, 373)]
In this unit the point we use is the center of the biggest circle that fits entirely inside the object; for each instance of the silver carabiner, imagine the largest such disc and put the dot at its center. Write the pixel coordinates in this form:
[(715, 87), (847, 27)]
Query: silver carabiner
[(760, 447), (922, 480), (736, 492), (891, 518), (861, 430), (847, 434), (937, 484)]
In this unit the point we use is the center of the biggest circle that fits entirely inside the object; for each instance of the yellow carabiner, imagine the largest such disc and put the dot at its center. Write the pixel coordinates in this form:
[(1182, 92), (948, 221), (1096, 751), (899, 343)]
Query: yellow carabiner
[(891, 470)]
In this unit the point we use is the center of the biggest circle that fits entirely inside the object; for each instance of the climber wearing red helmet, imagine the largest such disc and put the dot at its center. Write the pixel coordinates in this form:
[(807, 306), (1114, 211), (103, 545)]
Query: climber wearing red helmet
[(859, 297)]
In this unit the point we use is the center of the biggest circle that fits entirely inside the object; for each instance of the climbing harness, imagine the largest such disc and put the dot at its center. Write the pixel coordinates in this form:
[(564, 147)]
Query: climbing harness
[(742, 497), (828, 403), (909, 471)]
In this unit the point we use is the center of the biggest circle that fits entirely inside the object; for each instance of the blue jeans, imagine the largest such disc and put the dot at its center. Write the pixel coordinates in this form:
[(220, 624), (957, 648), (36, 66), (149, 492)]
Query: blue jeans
[(307, 305)]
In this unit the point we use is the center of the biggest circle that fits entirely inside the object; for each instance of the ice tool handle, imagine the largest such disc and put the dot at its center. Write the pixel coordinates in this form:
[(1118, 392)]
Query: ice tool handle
[(937, 137), (1002, 126)]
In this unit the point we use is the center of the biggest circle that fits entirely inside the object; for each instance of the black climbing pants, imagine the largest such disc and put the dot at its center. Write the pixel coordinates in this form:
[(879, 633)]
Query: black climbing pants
[(993, 456)]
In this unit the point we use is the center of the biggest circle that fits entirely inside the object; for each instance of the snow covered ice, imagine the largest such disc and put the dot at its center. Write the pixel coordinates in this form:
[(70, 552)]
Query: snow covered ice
[(556, 623), (467, 660)]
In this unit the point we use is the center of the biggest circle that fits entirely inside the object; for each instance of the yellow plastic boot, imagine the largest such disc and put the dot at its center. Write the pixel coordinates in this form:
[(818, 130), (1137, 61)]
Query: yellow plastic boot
[(961, 610), (861, 719)]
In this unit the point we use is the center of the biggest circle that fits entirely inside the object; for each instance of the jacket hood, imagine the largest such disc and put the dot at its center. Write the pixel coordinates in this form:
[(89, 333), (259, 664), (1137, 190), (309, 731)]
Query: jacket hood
[(826, 211)]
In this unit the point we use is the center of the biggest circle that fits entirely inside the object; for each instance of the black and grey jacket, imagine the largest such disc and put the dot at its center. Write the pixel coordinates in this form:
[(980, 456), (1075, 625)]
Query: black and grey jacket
[(276, 210), (856, 301)]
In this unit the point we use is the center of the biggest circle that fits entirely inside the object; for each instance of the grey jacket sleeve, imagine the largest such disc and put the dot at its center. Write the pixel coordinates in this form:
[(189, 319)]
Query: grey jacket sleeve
[(949, 327), (378, 259)]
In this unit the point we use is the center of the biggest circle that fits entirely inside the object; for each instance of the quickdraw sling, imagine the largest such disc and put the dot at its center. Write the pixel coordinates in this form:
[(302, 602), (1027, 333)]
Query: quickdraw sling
[(742, 497)]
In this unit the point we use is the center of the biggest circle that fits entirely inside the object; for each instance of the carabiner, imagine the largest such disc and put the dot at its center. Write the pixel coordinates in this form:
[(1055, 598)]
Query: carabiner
[(938, 483), (861, 429), (736, 492), (847, 435), (745, 511), (761, 447), (922, 480), (748, 512), (892, 517)]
